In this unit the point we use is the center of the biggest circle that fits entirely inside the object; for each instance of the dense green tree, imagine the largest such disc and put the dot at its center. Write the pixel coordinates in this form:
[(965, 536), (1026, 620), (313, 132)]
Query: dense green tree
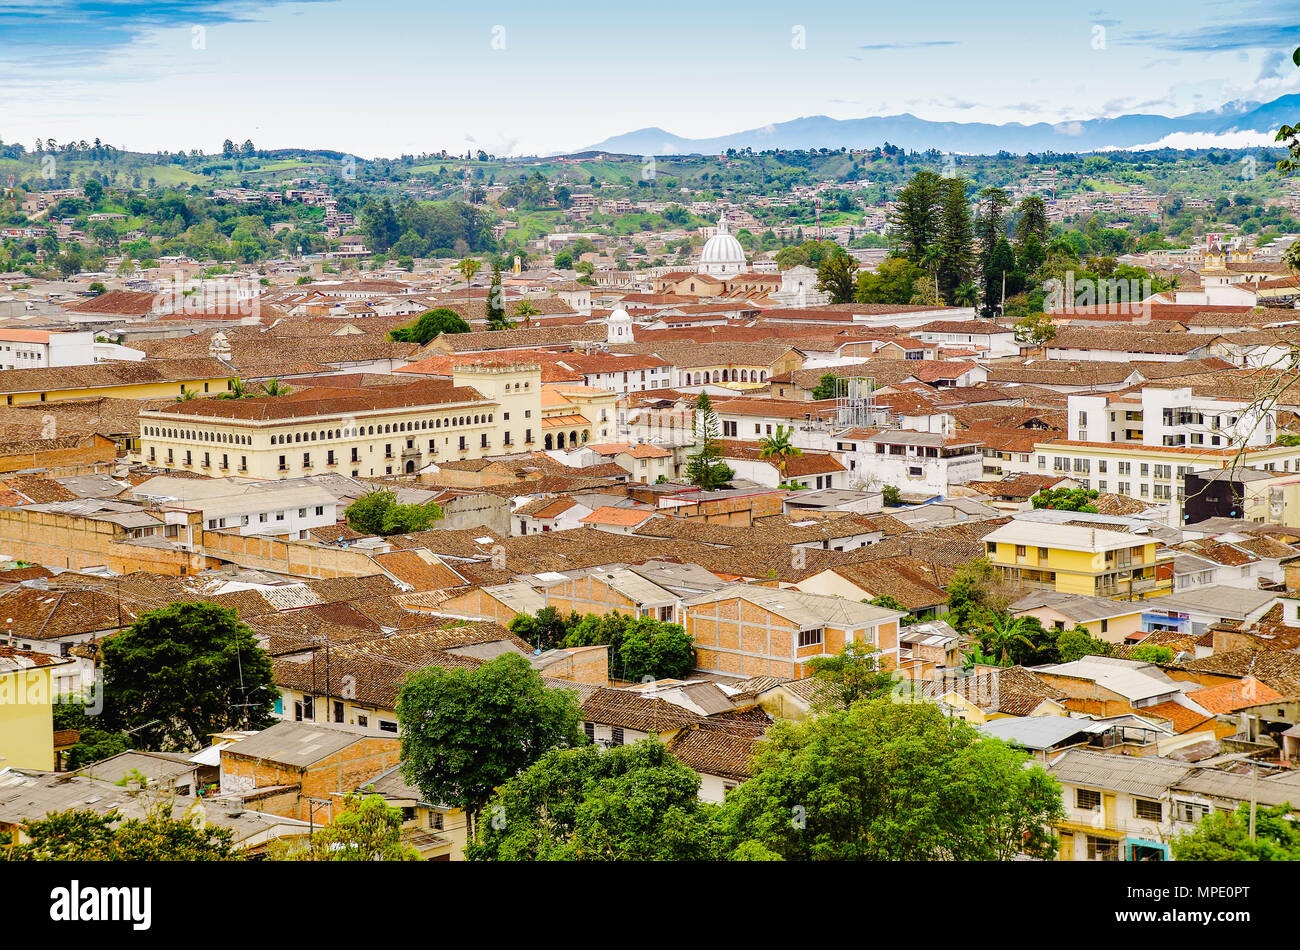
[(955, 246), (1035, 329), (654, 649), (379, 513), (629, 803), (916, 222), (94, 742), (1066, 499), (496, 307), (850, 676), (887, 781), (1077, 643), (826, 387), (465, 732), (891, 283), (1225, 836), (990, 229), (1151, 653), (74, 835), (973, 596), (182, 672), (705, 467), (1031, 221), (836, 277), (546, 629), (367, 829), (779, 448), (429, 325)]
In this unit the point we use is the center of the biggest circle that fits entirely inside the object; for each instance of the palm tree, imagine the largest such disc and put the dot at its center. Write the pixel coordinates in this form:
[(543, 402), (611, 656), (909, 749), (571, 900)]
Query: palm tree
[(186, 394), (779, 447), (931, 260), (275, 388), (238, 390), (468, 268), (966, 294), (1005, 631)]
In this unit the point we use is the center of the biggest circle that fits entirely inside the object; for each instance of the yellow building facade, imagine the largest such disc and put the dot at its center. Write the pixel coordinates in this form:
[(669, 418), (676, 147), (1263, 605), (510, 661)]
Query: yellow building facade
[(365, 431), (27, 709), (1079, 560)]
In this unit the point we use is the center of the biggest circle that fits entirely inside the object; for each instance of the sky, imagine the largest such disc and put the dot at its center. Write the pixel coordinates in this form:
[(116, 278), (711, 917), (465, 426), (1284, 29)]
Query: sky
[(387, 77)]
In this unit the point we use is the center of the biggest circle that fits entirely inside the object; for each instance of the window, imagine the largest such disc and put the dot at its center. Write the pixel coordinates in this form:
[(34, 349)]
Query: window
[(338, 711), (305, 709), (1148, 810), (1102, 849), (590, 729), (387, 725), (808, 638), (1190, 811), (1087, 799), (435, 820), (363, 720), (616, 735)]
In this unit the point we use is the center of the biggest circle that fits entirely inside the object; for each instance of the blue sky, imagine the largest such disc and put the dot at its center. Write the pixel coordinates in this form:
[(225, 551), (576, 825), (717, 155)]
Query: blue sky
[(382, 77)]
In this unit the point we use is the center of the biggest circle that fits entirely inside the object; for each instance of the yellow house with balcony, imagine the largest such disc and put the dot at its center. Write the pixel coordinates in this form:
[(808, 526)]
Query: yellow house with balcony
[(1073, 559), (27, 709)]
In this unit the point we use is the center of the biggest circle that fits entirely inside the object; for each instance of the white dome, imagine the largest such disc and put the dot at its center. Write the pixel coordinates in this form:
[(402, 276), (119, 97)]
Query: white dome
[(618, 326), (722, 254)]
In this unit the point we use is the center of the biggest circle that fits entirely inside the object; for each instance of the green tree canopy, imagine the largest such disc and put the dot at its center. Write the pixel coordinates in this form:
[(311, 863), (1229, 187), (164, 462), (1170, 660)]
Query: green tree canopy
[(1224, 836), (368, 829), (74, 835), (1066, 499), (886, 781), (465, 732), (654, 649), (630, 803), (1075, 644), (850, 676), (379, 513), (184, 671), (429, 325)]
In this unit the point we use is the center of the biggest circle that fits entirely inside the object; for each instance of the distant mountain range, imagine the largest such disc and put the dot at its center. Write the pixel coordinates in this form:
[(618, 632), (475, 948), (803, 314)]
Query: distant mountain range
[(972, 138)]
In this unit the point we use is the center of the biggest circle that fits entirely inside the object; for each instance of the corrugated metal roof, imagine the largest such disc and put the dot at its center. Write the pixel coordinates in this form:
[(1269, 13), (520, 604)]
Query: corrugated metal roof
[(1145, 776)]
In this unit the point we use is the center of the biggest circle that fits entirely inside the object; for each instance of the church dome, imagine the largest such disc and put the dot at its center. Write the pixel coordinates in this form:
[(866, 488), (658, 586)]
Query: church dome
[(722, 254)]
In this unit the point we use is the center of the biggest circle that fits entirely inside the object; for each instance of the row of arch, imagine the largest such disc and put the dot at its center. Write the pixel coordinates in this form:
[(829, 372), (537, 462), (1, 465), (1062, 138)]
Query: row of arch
[(559, 443), (728, 376), (201, 435)]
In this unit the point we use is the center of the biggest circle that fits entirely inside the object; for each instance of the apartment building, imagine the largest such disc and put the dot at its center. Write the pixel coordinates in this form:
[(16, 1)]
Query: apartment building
[(1154, 473), (1169, 416), (1078, 560)]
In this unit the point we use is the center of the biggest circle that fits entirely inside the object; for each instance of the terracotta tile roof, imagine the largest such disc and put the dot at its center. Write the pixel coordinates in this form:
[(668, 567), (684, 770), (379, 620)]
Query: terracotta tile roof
[(1017, 487), (619, 517), (109, 374), (1180, 717), (1277, 669), (614, 707), (713, 749), (328, 400), (1229, 697), (421, 569), (1012, 690)]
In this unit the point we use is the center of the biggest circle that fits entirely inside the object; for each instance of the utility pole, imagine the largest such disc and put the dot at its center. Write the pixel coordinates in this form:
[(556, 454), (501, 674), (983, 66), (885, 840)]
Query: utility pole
[(1254, 784)]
